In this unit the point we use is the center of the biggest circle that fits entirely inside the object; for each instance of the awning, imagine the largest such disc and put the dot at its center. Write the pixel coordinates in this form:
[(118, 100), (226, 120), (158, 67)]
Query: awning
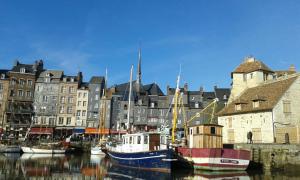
[(96, 131), (78, 130), (41, 131)]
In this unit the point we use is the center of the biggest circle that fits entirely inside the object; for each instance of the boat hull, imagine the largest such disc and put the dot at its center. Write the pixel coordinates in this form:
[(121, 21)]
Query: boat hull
[(96, 150), (159, 160), (10, 149), (216, 159), (42, 151)]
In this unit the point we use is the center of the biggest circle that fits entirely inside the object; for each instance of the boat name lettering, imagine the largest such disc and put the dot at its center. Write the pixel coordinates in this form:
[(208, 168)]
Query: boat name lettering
[(229, 161)]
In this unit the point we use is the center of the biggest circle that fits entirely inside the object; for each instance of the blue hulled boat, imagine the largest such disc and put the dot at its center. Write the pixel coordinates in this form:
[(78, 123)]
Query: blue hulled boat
[(146, 150)]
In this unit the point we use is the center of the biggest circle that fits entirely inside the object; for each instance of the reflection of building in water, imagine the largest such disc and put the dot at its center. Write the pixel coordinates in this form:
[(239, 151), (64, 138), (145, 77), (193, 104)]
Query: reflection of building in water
[(9, 166)]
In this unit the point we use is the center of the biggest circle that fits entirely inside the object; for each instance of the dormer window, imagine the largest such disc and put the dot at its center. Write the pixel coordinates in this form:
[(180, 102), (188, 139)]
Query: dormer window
[(47, 74), (2, 76), (72, 79), (224, 96), (238, 107), (22, 70), (152, 105), (255, 104), (196, 105)]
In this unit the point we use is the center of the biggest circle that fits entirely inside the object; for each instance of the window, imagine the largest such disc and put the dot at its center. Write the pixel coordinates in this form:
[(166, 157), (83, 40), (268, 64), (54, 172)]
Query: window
[(1, 86), (61, 109), (84, 113), (2, 76), (22, 82), (71, 89), (84, 95), (130, 140), (97, 89), (79, 94), (68, 120), (152, 105), (145, 139), (60, 120), (69, 110), (13, 81), (255, 104), (251, 75), (139, 139), (51, 121), (84, 103), (62, 99), (11, 93), (78, 112), (96, 106), (125, 107), (44, 121), (1, 96), (238, 107), (22, 70), (47, 80), (97, 97), (79, 103), (20, 93), (244, 77), (197, 130), (287, 107), (213, 130), (196, 105), (70, 100), (28, 94), (224, 96), (45, 98), (63, 90)]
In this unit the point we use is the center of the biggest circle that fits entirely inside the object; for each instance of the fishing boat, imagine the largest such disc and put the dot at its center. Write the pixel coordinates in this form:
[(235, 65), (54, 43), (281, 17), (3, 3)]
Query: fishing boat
[(204, 148), (142, 150)]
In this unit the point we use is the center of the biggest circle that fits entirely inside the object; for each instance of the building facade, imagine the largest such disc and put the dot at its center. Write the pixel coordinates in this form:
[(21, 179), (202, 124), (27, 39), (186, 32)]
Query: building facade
[(19, 109), (4, 83), (96, 86), (81, 105), (67, 101), (268, 108), (46, 98)]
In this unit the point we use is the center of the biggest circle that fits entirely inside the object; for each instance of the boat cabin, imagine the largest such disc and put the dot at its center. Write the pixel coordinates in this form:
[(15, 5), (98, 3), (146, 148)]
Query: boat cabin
[(205, 136), (139, 142)]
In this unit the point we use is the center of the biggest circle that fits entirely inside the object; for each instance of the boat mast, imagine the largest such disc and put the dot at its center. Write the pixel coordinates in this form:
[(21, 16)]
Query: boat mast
[(176, 94), (129, 99)]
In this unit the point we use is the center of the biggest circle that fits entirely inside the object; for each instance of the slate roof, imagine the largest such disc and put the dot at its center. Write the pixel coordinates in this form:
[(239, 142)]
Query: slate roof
[(54, 74), (268, 95), (5, 72), (220, 92), (97, 80), (251, 65), (153, 89)]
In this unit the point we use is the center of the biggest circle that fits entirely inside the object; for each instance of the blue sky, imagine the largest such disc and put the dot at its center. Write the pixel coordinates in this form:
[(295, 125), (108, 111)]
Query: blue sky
[(209, 38)]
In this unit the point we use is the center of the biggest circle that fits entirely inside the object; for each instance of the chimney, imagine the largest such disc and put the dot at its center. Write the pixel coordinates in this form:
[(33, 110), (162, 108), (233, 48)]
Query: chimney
[(292, 68), (185, 87), (168, 87), (201, 90), (16, 62)]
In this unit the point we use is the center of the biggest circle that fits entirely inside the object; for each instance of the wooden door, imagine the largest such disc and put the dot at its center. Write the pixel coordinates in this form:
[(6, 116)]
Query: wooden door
[(230, 135), (256, 135)]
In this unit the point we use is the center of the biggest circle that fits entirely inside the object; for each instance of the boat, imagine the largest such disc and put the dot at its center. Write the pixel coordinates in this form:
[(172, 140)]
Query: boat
[(47, 148), (142, 150), (97, 148), (204, 147), (5, 148)]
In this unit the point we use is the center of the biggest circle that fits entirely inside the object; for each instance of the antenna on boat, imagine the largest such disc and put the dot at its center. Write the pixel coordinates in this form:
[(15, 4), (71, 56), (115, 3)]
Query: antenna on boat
[(129, 99)]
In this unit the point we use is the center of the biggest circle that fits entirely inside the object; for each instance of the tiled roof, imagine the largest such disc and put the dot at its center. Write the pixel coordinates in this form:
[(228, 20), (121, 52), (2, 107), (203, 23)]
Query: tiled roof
[(97, 80), (268, 95), (251, 65)]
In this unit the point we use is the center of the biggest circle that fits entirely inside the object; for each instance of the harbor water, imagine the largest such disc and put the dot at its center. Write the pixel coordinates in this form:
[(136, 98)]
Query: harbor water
[(90, 167)]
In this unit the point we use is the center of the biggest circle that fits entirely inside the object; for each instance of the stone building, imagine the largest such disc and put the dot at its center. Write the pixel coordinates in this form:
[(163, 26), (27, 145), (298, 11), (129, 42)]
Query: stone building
[(81, 105), (19, 109), (67, 102), (4, 83), (264, 102), (46, 98), (96, 85)]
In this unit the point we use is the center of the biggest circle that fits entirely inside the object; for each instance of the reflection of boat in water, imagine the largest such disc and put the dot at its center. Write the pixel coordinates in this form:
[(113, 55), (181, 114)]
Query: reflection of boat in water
[(121, 172), (27, 156), (219, 175), (96, 159)]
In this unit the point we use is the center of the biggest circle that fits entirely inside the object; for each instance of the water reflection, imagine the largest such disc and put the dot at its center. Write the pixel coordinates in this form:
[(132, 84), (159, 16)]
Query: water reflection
[(85, 166)]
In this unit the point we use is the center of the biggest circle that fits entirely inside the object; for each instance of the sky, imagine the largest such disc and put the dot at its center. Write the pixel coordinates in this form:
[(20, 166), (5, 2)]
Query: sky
[(207, 38)]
